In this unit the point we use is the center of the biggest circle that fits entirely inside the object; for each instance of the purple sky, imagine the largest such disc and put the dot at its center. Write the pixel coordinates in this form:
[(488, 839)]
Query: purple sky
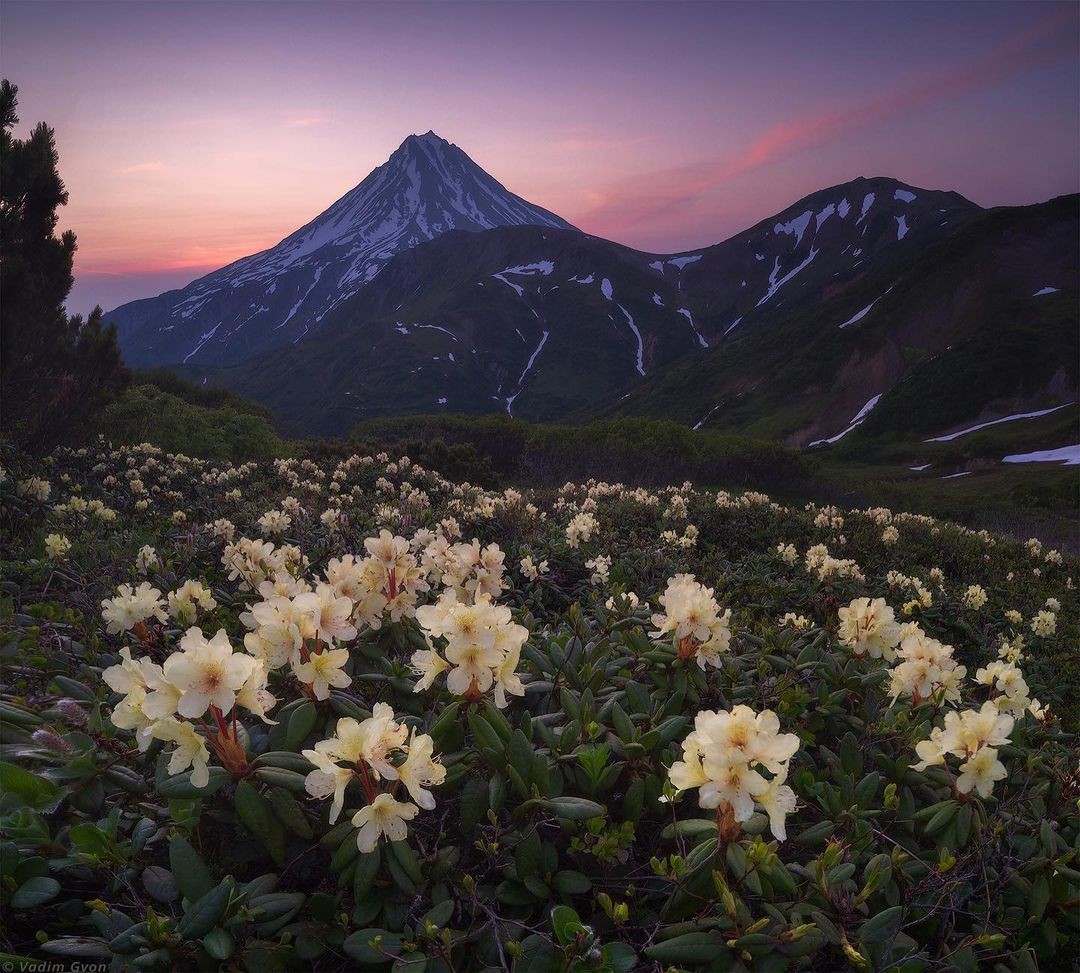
[(195, 133)]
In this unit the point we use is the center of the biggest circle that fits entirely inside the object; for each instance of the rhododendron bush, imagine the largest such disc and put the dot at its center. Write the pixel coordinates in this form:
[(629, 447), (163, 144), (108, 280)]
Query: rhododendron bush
[(350, 715)]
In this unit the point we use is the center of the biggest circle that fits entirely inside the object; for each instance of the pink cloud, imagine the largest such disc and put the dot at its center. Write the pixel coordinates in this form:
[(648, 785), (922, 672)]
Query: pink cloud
[(619, 208)]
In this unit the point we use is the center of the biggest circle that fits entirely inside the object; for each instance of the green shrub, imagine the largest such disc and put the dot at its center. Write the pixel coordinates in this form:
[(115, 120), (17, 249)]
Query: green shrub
[(634, 451), (553, 839), (145, 413)]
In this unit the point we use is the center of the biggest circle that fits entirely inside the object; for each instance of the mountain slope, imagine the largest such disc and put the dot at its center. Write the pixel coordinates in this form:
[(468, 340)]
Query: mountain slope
[(540, 323), (980, 325), (277, 297)]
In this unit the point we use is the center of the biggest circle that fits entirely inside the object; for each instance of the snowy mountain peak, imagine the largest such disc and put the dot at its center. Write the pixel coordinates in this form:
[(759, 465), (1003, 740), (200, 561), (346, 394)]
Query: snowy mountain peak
[(426, 188)]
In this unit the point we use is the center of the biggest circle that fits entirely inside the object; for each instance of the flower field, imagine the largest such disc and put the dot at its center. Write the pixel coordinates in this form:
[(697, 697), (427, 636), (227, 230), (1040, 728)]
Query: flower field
[(349, 715)]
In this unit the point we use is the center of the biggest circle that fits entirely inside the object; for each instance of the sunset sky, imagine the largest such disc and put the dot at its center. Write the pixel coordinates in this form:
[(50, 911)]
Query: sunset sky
[(191, 134)]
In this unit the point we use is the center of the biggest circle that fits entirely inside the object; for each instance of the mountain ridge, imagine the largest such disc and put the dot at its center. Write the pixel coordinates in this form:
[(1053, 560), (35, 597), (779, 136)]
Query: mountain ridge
[(283, 293), (540, 323)]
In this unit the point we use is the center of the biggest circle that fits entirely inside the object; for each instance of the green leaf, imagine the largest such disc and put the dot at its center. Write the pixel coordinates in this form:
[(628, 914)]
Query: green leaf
[(20, 788), (570, 882), (181, 787), (1039, 899), (357, 945), (367, 869), (634, 800), (521, 756), (191, 874), (816, 834), (624, 728), (406, 858), (691, 948), (290, 780), (529, 855), (867, 788), (68, 946), (943, 818), (75, 689), (691, 828), (203, 914), (498, 722), (219, 943), (537, 956), (446, 721), (286, 760), (566, 924), (35, 892), (473, 804), (570, 808), (289, 812), (485, 734), (439, 915), (620, 957), (257, 814), (880, 927), (301, 723), (161, 885)]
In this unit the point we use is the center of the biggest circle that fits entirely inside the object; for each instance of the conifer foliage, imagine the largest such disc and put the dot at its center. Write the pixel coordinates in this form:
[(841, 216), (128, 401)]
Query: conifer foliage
[(56, 370)]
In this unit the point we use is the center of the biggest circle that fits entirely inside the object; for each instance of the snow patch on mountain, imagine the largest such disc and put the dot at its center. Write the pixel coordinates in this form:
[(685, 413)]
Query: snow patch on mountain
[(205, 338), (859, 315), (797, 226), (858, 419), (685, 312), (542, 267), (775, 285), (823, 216), (1066, 455), (637, 334), (994, 422)]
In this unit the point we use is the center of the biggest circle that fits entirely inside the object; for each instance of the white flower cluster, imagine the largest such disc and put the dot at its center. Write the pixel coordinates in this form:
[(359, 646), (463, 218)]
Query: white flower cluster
[(820, 562), (57, 546), (869, 627), (692, 616), (788, 554), (1008, 689), (131, 607), (798, 622), (926, 668), (972, 736), (483, 647), (468, 569), (599, 566), (531, 570), (205, 675), (253, 561), (371, 752), (186, 601), (723, 757), (975, 597), (580, 529)]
